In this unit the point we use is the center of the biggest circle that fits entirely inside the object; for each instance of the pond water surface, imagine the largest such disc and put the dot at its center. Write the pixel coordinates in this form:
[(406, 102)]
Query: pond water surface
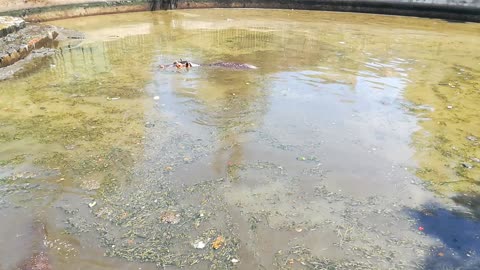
[(354, 145)]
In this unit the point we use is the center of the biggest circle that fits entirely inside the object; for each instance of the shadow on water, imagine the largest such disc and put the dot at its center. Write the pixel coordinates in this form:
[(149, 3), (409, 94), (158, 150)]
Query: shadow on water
[(471, 201), (457, 233)]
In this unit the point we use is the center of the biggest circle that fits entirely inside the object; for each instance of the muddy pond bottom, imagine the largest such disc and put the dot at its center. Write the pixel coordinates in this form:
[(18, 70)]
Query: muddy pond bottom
[(354, 144)]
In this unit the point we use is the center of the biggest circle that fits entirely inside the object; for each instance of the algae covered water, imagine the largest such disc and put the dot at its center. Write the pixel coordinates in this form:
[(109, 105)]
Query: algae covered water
[(354, 145)]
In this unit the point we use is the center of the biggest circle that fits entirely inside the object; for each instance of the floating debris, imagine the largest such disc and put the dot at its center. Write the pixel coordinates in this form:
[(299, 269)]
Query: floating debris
[(218, 243), (199, 244)]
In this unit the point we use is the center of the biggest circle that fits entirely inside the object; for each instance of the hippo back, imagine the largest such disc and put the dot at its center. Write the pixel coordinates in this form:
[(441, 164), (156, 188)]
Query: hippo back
[(236, 66)]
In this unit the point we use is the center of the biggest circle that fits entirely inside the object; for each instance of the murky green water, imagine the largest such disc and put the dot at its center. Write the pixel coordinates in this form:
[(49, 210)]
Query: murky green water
[(318, 159)]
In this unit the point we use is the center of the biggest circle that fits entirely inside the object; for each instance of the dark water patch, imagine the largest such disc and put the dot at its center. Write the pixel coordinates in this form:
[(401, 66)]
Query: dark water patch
[(471, 201), (457, 234)]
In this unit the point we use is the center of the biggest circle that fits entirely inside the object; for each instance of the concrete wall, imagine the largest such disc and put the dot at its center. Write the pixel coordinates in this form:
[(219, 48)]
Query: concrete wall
[(41, 10)]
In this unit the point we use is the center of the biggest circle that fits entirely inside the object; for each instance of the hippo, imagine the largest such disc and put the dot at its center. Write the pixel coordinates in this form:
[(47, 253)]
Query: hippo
[(229, 65), (225, 65)]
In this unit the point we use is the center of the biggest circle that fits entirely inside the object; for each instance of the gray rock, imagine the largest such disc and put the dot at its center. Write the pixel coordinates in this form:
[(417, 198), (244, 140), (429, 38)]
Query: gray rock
[(467, 165), (472, 138)]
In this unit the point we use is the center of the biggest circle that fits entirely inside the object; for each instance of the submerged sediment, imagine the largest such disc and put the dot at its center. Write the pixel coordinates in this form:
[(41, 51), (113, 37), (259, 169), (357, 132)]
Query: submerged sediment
[(307, 162)]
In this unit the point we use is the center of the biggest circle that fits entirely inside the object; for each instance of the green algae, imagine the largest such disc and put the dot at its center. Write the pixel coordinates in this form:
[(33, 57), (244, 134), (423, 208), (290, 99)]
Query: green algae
[(75, 117), (443, 142), (18, 159)]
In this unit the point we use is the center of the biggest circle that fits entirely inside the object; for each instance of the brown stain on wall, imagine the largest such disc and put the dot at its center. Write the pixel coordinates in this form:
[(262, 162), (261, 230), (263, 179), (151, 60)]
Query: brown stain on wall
[(83, 11)]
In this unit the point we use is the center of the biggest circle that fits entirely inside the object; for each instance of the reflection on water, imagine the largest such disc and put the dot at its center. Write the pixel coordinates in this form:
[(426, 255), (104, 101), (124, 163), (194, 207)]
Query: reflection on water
[(305, 163)]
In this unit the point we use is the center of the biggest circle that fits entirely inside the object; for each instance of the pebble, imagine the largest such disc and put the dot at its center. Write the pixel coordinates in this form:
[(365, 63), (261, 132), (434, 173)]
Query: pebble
[(199, 244), (472, 138), (467, 165)]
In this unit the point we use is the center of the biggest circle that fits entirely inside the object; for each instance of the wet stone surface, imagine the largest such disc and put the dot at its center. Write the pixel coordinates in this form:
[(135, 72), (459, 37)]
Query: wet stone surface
[(29, 42), (10, 24)]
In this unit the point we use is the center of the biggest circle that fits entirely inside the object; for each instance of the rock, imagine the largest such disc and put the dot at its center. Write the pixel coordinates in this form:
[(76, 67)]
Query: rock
[(149, 125), (10, 24), (467, 165), (474, 159), (472, 138), (199, 244), (17, 46)]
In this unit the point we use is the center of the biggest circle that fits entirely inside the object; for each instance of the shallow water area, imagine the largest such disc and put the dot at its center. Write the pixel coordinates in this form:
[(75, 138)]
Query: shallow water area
[(356, 137)]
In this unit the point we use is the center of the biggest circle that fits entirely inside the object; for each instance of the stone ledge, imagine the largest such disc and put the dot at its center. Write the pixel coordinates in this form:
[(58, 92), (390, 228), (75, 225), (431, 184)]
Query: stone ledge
[(10, 24), (20, 44)]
